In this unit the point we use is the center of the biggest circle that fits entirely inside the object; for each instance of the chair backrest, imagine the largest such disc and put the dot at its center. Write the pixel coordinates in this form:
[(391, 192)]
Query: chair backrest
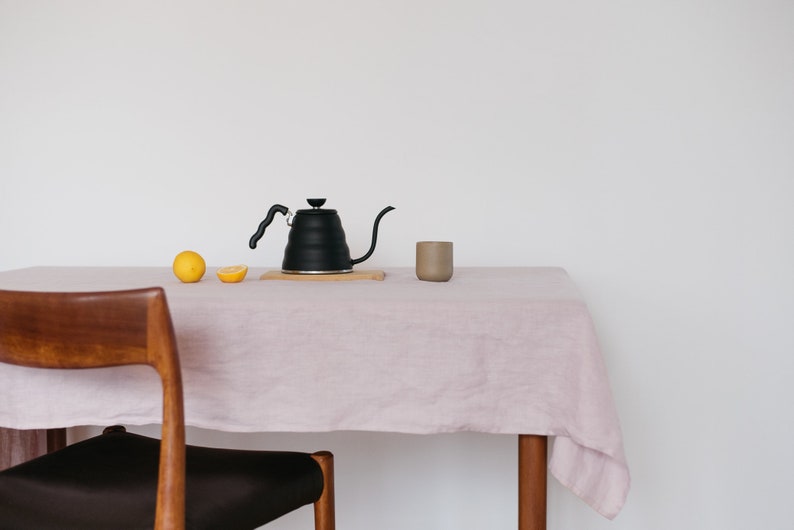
[(103, 329)]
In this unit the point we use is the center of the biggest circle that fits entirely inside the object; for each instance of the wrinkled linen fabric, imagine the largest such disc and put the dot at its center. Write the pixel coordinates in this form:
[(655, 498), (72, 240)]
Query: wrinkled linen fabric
[(494, 350)]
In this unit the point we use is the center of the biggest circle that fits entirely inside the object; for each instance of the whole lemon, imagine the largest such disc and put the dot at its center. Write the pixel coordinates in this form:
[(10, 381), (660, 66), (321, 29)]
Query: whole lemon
[(189, 266)]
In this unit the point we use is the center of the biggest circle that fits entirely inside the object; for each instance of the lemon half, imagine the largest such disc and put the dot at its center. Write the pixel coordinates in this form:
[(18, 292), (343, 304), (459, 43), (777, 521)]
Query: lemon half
[(189, 266), (232, 274)]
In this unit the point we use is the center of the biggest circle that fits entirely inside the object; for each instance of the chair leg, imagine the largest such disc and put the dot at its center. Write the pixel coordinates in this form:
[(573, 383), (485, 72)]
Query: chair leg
[(324, 516)]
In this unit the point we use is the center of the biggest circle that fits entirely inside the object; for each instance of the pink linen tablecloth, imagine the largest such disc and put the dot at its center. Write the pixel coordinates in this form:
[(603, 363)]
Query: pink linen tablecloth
[(495, 350)]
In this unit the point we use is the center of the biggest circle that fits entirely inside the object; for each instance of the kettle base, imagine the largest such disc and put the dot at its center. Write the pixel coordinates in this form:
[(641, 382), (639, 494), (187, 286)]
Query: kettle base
[(285, 271), (358, 274)]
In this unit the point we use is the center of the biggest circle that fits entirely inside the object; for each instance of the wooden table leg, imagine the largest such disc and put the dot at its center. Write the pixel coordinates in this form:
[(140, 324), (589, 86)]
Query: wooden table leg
[(56, 439), (532, 451)]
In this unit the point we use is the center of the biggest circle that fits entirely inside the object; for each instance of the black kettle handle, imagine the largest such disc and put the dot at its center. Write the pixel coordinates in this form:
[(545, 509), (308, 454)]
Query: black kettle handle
[(276, 208)]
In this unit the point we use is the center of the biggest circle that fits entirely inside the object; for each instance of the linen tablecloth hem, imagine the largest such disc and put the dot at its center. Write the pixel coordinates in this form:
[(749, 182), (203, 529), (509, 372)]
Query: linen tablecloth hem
[(570, 463), (27, 423), (610, 512)]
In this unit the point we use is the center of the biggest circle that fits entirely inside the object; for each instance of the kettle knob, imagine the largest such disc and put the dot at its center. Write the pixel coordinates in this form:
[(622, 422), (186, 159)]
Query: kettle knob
[(316, 203)]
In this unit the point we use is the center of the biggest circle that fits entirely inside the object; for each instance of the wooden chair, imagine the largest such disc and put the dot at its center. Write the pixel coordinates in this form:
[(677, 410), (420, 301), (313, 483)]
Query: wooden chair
[(123, 480)]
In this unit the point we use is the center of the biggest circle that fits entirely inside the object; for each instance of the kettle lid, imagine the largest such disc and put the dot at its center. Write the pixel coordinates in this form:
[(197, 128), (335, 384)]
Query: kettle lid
[(316, 208)]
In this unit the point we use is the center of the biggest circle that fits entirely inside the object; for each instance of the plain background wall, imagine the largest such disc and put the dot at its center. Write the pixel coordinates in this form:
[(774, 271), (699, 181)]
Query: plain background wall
[(647, 147)]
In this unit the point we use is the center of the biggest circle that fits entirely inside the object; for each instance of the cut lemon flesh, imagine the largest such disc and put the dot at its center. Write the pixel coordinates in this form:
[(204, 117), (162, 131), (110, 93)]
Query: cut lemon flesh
[(233, 273)]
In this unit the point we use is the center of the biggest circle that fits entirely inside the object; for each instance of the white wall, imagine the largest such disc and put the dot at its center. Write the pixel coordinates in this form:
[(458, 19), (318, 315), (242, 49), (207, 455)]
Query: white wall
[(648, 147)]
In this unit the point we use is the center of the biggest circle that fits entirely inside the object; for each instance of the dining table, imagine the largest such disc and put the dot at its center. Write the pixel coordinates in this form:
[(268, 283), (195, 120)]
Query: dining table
[(500, 350)]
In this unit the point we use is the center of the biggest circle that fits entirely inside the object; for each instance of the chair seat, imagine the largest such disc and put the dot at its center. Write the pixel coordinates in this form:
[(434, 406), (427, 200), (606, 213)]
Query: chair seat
[(110, 481)]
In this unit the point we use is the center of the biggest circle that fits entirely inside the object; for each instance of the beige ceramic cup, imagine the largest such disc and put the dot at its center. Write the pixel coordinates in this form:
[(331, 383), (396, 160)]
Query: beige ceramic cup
[(434, 261)]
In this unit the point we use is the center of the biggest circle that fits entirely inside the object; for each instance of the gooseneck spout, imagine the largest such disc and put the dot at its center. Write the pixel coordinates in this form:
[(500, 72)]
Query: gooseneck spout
[(276, 208), (374, 235)]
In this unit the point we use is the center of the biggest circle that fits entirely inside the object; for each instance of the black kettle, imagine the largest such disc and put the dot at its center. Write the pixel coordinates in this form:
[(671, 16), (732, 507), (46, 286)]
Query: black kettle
[(316, 242)]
